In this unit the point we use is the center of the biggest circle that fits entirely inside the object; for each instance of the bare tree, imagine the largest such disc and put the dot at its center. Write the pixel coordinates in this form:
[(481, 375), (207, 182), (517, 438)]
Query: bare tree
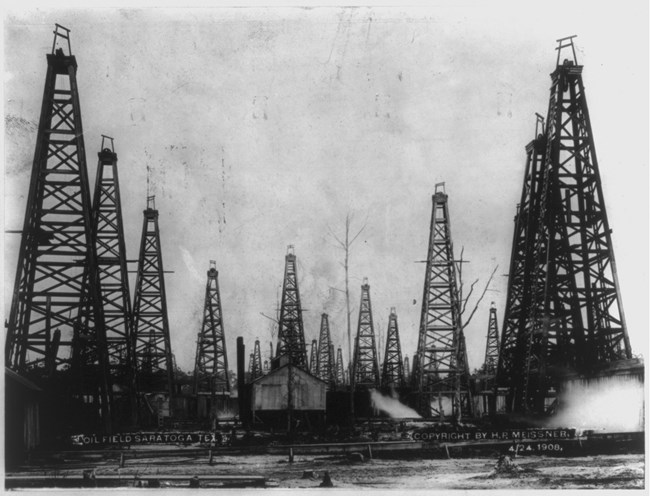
[(345, 246), (464, 300)]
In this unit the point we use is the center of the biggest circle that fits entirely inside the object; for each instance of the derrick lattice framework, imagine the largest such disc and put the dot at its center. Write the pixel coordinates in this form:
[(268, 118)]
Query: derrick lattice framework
[(521, 274), (392, 374), (441, 372), (365, 368), (255, 367), (574, 319), (291, 335), (211, 364), (492, 344), (326, 370), (313, 358), (56, 318), (112, 264), (153, 352), (407, 370), (340, 369)]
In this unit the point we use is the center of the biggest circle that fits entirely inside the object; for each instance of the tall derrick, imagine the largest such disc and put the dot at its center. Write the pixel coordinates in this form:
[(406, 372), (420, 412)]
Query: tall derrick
[(56, 318), (256, 362), (251, 363), (113, 274), (574, 321), (407, 370), (291, 335), (211, 364), (441, 373), (392, 374), (340, 369), (313, 358), (365, 369), (491, 344), (521, 275), (153, 353), (326, 370)]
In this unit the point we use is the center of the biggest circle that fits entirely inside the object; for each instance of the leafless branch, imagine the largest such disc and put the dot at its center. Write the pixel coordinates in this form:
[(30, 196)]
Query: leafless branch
[(270, 318), (360, 231), (485, 289), (336, 237), (471, 289)]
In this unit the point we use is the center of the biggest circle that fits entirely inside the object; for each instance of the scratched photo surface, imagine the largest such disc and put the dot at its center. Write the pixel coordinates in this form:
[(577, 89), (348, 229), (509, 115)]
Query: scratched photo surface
[(270, 139)]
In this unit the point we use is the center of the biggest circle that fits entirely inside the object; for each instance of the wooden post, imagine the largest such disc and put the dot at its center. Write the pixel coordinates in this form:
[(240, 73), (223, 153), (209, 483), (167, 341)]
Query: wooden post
[(290, 455), (369, 452), (210, 457)]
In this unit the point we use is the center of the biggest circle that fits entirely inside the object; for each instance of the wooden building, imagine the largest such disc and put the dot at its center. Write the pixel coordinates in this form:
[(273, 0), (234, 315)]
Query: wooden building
[(22, 417), (288, 394)]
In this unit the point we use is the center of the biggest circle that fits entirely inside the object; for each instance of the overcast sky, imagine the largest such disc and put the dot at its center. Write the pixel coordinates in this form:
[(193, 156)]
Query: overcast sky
[(264, 127)]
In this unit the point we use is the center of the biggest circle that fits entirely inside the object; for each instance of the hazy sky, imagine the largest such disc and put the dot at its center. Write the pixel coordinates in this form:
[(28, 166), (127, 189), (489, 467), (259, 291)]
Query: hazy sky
[(264, 127)]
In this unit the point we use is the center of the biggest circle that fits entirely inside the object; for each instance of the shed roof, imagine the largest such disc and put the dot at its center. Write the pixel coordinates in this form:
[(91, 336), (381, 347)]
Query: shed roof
[(19, 379), (298, 370)]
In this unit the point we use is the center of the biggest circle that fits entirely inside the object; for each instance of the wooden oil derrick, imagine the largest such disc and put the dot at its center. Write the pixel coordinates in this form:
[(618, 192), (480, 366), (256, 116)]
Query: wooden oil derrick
[(251, 364), (441, 373), (365, 368), (574, 318), (55, 332), (291, 335), (211, 363), (491, 344), (340, 369), (313, 358), (256, 362), (521, 275), (114, 281), (407, 370), (392, 375), (326, 369), (153, 354)]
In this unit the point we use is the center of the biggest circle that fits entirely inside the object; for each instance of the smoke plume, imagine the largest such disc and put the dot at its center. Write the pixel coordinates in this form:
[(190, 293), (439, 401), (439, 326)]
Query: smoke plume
[(608, 404), (391, 406)]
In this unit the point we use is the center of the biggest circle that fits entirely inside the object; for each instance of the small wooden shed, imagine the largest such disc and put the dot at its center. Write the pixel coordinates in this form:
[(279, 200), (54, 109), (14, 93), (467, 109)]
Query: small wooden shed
[(22, 416), (271, 394)]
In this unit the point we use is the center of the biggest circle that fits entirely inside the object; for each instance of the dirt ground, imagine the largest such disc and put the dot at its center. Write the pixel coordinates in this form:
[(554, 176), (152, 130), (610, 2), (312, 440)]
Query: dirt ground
[(531, 472)]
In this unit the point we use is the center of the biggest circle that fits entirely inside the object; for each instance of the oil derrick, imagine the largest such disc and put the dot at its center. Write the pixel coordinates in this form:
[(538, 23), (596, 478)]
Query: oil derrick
[(113, 276), (492, 344), (441, 373), (150, 322), (326, 370), (392, 375), (521, 274), (256, 362), (365, 369), (291, 336), (56, 319), (574, 320), (340, 369), (407, 370), (313, 358), (211, 364), (251, 362)]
